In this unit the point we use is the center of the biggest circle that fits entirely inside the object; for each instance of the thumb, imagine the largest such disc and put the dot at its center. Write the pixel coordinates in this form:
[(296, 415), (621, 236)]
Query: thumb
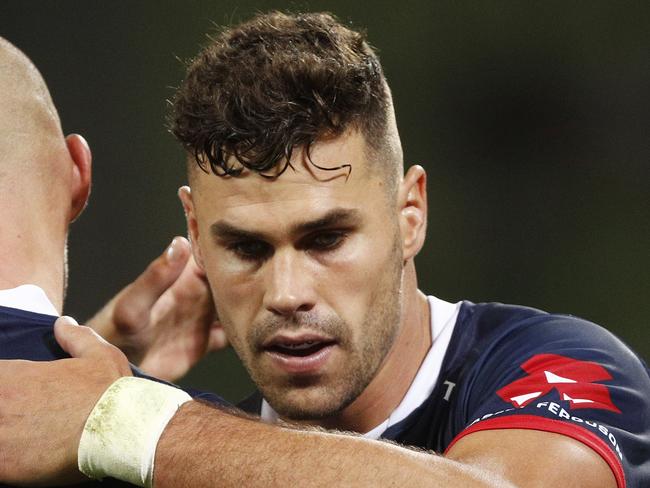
[(78, 341)]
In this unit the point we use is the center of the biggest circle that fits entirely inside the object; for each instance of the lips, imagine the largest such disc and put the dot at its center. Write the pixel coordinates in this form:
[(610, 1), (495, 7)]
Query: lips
[(300, 354), (299, 349)]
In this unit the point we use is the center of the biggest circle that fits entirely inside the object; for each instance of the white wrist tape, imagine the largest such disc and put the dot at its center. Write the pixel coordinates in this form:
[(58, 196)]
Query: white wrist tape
[(120, 436)]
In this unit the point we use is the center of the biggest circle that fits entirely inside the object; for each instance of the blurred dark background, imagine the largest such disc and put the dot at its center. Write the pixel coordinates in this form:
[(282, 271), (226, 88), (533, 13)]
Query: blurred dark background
[(532, 119)]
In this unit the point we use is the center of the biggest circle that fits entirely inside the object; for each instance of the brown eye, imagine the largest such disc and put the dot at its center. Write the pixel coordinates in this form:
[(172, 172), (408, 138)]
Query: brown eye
[(326, 241), (251, 250)]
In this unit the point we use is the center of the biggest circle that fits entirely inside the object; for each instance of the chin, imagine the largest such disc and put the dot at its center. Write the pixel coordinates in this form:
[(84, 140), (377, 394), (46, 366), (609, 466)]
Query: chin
[(313, 402)]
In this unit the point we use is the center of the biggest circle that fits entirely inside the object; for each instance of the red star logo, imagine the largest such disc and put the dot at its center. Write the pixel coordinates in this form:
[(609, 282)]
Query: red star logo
[(573, 380)]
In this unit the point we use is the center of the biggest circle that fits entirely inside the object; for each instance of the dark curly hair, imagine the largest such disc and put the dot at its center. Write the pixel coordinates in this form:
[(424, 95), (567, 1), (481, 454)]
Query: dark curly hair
[(274, 83)]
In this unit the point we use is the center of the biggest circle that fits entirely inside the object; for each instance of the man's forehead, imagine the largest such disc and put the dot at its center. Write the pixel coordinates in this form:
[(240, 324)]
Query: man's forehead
[(289, 205), (254, 188), (284, 206), (336, 166)]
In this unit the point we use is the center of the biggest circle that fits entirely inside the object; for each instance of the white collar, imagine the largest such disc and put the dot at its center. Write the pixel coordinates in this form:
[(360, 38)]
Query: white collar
[(30, 298), (443, 319)]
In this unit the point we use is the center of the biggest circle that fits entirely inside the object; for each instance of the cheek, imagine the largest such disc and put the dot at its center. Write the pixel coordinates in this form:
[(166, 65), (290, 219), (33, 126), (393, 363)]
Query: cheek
[(353, 283), (237, 299)]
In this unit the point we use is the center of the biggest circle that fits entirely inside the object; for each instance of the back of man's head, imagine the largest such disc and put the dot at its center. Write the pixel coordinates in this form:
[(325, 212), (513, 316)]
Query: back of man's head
[(279, 82), (44, 178), (29, 124)]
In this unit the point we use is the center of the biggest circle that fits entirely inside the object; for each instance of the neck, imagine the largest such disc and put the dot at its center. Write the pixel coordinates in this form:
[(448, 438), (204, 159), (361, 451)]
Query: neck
[(31, 252), (397, 372)]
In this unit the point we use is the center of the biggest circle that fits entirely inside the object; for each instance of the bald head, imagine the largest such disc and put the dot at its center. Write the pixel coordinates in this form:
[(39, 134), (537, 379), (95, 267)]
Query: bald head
[(29, 124), (44, 179)]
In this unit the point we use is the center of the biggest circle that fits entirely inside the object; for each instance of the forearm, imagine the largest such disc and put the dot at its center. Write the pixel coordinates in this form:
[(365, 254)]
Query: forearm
[(203, 446)]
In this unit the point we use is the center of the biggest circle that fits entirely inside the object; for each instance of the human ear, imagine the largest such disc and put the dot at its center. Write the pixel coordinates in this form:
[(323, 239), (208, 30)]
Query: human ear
[(412, 201), (185, 195), (81, 157)]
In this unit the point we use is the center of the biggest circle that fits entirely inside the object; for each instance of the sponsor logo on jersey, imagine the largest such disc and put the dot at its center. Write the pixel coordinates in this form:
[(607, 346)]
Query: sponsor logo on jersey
[(573, 379)]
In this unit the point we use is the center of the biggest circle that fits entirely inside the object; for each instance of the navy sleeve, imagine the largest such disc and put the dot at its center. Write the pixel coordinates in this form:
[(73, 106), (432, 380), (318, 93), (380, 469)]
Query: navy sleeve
[(208, 397), (568, 376), (28, 335)]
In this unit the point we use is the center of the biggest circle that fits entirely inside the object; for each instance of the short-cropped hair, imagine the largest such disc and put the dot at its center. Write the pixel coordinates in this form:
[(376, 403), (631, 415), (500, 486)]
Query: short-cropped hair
[(275, 83)]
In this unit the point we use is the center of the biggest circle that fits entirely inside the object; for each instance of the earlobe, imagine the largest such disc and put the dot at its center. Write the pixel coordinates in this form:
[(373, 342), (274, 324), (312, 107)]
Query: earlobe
[(81, 157), (412, 199), (185, 195)]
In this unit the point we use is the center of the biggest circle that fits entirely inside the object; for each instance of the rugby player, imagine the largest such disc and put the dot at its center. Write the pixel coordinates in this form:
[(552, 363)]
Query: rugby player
[(306, 225), (45, 182)]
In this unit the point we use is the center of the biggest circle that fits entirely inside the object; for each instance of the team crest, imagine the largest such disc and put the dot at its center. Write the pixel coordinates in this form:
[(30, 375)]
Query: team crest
[(573, 380)]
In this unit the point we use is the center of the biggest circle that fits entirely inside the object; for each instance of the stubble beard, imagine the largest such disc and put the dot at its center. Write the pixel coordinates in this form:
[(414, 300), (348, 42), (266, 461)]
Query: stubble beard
[(300, 399)]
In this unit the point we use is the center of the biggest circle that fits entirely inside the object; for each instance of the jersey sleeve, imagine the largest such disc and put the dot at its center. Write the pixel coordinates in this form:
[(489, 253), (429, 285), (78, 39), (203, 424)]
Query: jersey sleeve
[(211, 398), (568, 376)]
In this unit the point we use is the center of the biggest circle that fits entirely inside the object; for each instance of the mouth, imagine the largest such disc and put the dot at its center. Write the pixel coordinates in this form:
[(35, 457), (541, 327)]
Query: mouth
[(304, 354), (300, 349)]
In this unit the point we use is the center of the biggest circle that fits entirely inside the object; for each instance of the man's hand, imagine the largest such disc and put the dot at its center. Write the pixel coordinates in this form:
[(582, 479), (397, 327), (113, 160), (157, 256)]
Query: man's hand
[(165, 320), (44, 406)]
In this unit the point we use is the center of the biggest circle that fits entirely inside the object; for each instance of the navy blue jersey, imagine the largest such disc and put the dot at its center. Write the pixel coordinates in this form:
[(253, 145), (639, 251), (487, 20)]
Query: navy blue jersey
[(512, 367), (28, 335)]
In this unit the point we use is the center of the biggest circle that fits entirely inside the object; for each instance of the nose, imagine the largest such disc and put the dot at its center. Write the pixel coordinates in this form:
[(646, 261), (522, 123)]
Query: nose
[(289, 284)]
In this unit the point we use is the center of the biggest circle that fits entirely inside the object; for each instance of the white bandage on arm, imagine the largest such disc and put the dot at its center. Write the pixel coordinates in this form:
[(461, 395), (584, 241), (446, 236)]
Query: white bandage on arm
[(120, 436)]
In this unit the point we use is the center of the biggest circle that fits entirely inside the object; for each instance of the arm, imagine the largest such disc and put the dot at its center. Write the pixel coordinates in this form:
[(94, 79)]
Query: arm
[(203, 445), (532, 458)]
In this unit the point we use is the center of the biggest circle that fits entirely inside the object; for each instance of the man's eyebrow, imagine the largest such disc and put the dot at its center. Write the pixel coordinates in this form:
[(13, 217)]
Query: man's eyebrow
[(338, 216), (225, 231)]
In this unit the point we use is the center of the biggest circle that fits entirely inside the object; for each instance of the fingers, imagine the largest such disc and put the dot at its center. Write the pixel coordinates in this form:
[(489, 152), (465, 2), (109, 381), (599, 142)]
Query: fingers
[(76, 340), (192, 284), (134, 305)]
